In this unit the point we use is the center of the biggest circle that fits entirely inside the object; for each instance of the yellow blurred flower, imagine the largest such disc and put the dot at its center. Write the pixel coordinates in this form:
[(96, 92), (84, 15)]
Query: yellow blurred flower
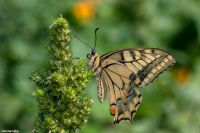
[(182, 75), (84, 9)]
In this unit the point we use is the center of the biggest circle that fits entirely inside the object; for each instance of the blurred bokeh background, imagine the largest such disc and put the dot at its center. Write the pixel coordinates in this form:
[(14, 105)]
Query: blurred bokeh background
[(171, 104)]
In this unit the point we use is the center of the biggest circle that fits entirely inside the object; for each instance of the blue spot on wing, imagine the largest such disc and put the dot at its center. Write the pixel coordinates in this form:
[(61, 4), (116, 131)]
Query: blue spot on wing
[(132, 77), (130, 91), (119, 100)]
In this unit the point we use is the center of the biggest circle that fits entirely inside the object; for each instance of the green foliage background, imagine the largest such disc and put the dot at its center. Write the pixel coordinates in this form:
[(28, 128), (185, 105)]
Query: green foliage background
[(170, 105)]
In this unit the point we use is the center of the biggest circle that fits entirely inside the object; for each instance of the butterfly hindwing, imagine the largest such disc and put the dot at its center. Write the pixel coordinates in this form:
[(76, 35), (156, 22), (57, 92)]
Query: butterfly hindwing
[(124, 99)]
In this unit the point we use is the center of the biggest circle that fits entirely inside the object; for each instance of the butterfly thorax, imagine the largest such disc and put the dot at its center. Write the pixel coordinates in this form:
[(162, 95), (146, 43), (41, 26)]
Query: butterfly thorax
[(94, 61)]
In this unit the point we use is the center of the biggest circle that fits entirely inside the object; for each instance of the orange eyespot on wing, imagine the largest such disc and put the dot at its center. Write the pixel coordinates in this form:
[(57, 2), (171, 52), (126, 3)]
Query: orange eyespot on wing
[(113, 109)]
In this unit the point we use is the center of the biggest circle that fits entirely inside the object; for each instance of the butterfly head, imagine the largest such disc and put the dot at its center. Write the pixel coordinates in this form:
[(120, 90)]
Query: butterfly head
[(93, 59), (92, 55)]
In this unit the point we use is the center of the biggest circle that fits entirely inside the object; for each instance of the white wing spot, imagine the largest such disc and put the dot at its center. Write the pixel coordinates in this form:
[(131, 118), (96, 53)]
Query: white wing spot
[(154, 70), (162, 64), (150, 75), (170, 57), (137, 55), (159, 67), (158, 56), (146, 80), (166, 60)]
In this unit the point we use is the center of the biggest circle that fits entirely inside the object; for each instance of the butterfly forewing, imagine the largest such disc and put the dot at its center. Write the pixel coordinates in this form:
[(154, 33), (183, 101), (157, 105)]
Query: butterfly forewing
[(146, 63)]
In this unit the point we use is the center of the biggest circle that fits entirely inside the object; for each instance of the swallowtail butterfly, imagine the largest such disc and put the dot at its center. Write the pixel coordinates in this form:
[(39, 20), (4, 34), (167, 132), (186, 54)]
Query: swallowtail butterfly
[(120, 73)]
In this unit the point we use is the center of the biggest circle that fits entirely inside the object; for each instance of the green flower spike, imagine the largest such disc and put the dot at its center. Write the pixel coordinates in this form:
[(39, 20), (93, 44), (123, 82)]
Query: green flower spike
[(63, 108)]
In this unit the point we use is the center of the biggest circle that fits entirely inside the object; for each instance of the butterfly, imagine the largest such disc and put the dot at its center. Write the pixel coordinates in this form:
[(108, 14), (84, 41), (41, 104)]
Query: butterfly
[(120, 73)]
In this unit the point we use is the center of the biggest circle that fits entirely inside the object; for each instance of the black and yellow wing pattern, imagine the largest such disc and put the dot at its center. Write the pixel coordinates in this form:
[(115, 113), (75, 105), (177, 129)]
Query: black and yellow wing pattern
[(120, 73)]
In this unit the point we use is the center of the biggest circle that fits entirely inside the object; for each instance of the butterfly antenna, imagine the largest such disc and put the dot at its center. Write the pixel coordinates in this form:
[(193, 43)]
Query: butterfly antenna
[(95, 37), (82, 41)]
